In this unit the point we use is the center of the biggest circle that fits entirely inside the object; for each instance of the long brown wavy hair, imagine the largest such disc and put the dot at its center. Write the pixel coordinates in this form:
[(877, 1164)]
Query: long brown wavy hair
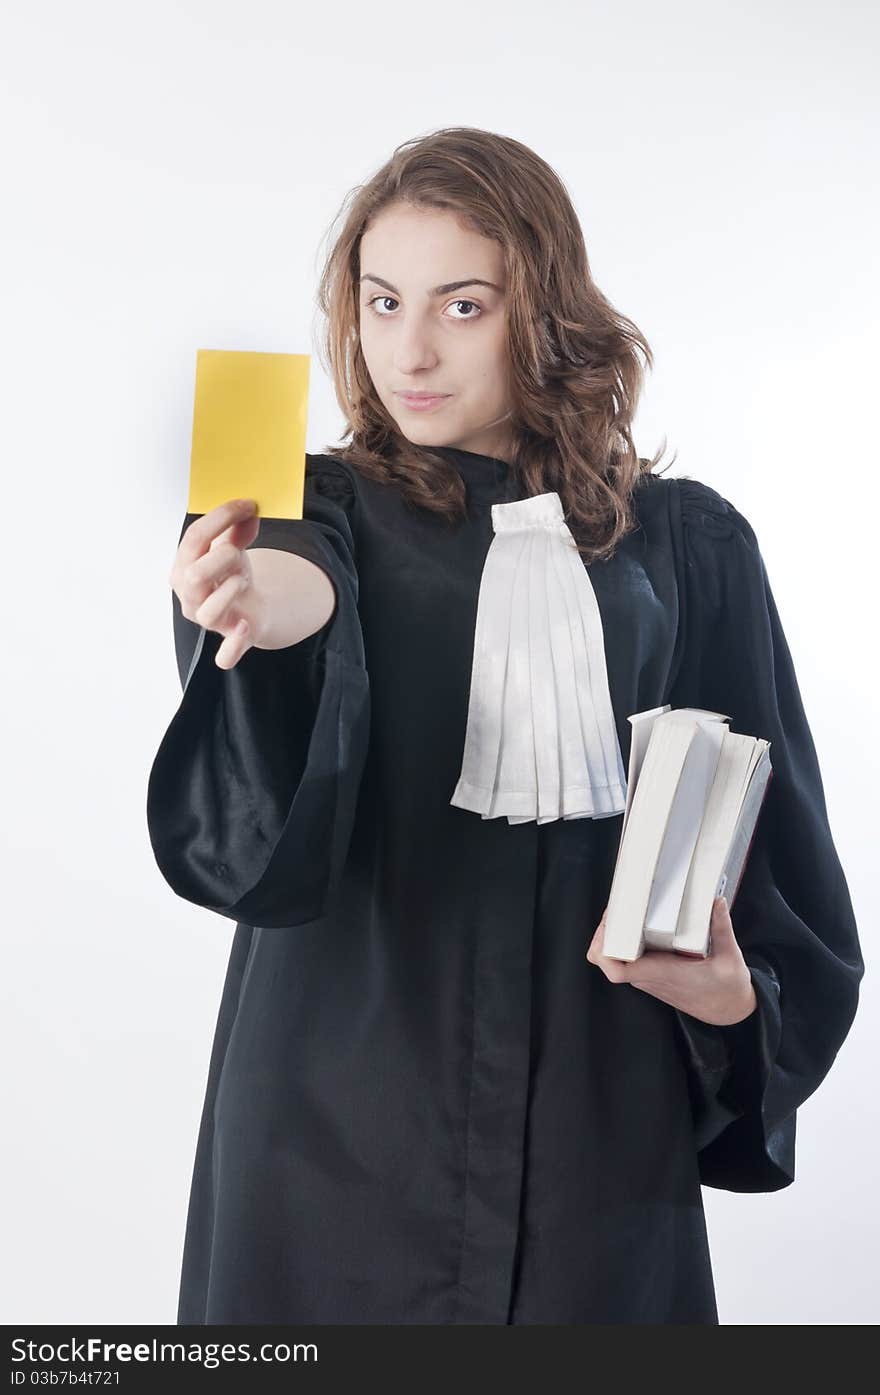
[(574, 360)]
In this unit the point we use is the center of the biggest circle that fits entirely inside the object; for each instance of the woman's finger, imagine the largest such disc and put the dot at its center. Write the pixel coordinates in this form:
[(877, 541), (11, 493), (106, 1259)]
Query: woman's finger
[(197, 538), (241, 533), (212, 610), (234, 646), (205, 576), (722, 940)]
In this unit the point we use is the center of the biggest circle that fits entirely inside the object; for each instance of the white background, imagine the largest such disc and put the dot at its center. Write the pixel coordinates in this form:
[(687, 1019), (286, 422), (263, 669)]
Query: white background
[(170, 171)]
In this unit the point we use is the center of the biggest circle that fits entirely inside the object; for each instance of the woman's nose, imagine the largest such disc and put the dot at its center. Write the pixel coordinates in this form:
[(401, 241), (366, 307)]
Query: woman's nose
[(413, 350)]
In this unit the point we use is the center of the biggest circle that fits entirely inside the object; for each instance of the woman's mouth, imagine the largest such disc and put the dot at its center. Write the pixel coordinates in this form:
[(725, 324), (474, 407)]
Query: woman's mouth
[(423, 401)]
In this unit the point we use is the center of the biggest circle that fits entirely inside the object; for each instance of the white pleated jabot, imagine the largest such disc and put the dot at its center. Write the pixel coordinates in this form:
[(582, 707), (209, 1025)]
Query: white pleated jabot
[(541, 741)]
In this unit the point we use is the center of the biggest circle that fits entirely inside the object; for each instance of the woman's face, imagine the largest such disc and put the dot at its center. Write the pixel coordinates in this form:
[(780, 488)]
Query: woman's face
[(426, 326)]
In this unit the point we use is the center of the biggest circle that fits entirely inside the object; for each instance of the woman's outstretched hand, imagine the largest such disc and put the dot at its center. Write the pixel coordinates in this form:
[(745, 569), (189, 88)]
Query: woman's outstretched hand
[(213, 579), (717, 989)]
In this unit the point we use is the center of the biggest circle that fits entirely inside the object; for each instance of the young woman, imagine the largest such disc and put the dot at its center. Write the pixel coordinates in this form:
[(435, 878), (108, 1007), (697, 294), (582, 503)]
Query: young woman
[(398, 765)]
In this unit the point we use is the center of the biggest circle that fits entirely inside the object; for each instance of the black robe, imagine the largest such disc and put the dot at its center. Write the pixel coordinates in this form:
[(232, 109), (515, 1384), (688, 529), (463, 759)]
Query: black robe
[(424, 1105)]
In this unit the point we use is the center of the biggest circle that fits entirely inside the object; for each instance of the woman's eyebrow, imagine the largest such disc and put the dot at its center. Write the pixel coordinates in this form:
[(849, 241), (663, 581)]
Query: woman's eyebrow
[(438, 290)]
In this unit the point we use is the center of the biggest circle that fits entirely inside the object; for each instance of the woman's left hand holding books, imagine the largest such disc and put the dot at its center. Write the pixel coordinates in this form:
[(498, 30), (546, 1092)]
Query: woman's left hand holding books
[(717, 989)]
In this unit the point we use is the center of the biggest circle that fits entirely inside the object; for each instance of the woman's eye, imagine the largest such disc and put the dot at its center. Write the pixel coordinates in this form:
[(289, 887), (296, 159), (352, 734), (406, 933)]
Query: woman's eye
[(384, 299), (372, 303), (472, 305)]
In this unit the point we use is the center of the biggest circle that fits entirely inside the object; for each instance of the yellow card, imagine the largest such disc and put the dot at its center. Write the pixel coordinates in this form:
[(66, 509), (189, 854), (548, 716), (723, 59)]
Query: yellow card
[(249, 431)]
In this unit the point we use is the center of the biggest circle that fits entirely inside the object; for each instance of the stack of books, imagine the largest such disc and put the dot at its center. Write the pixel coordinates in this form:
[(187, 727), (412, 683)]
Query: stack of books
[(695, 790)]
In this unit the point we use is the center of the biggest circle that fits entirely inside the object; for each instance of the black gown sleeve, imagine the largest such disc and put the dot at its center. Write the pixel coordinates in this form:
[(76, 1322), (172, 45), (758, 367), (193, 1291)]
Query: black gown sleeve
[(252, 793), (792, 914)]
